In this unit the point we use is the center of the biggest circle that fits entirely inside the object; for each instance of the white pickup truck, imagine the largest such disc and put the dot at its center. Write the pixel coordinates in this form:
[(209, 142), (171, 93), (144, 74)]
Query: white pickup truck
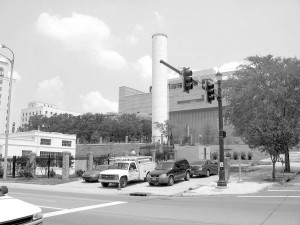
[(127, 168)]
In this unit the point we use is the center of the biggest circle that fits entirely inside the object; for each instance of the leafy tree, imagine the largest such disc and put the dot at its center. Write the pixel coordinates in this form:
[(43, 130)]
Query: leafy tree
[(263, 104)]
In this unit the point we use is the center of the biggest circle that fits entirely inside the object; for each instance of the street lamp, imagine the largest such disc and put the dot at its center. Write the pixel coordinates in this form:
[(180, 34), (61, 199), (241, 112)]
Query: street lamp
[(221, 181), (8, 108)]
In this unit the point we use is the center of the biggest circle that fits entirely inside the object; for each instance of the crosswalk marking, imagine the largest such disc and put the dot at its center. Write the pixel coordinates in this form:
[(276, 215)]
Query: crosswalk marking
[(66, 211), (283, 190)]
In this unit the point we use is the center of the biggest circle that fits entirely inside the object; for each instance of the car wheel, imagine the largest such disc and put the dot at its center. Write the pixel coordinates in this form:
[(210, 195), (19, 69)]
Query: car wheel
[(151, 184), (187, 176), (170, 181), (207, 173), (123, 182), (104, 184)]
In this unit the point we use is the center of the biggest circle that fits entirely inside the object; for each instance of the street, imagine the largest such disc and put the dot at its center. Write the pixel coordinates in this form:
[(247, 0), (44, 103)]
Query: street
[(277, 205)]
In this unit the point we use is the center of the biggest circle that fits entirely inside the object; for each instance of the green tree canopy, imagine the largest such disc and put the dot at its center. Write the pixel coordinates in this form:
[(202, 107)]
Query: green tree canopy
[(263, 98)]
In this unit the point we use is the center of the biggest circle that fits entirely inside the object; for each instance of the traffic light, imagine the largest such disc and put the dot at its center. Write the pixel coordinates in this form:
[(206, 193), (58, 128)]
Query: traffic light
[(187, 80), (210, 92)]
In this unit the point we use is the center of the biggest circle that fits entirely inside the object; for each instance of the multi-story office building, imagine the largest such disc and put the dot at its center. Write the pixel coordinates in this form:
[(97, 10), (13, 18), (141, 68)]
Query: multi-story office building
[(41, 108), (4, 95), (188, 112)]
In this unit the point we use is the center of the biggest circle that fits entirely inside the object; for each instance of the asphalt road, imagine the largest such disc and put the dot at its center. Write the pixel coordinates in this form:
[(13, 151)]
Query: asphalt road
[(278, 205)]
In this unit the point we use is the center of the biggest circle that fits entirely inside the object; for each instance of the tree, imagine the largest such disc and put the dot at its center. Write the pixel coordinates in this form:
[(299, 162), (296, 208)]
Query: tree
[(263, 99)]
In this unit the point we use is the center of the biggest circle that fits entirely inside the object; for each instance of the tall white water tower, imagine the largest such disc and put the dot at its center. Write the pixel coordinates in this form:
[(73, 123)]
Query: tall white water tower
[(160, 107)]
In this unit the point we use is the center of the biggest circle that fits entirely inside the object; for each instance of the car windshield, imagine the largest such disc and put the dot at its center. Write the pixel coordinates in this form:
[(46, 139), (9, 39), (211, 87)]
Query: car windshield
[(101, 167), (120, 166), (165, 165)]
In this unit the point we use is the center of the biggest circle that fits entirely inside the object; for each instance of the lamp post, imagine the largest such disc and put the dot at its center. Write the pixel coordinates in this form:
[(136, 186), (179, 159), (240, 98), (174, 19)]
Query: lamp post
[(221, 181), (8, 108)]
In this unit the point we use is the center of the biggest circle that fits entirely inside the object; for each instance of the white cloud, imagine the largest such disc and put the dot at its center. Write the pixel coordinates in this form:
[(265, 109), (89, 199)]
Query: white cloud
[(132, 39), (230, 66), (17, 76), (144, 66), (158, 20), (83, 33), (139, 27), (95, 103), (50, 91)]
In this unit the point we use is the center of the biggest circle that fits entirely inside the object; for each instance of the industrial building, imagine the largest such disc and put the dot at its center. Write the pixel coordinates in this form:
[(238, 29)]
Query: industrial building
[(189, 113)]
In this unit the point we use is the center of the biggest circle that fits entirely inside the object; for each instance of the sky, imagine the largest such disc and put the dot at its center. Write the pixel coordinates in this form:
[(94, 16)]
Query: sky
[(76, 54)]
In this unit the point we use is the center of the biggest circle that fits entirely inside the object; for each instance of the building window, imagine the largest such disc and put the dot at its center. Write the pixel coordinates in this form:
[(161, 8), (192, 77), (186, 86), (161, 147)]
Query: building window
[(46, 112), (45, 141), (55, 158), (67, 143)]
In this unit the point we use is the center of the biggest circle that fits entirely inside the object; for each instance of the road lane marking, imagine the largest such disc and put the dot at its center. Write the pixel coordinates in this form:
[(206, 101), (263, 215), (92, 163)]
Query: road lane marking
[(282, 196), (66, 211), (48, 207), (283, 190)]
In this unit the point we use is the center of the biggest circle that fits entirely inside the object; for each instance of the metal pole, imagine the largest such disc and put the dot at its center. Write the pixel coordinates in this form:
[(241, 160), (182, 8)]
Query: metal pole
[(221, 181), (8, 112)]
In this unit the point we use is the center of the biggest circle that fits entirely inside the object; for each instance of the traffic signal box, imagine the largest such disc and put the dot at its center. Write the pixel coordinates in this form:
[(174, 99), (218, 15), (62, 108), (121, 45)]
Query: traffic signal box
[(187, 80), (210, 92)]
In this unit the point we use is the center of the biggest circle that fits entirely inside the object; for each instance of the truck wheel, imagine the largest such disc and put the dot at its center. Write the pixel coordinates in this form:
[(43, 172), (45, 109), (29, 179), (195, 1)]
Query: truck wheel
[(123, 182), (187, 176), (151, 184), (170, 181), (104, 184)]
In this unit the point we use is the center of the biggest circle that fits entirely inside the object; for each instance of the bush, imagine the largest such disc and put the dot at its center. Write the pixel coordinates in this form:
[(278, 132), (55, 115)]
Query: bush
[(235, 155), (79, 173), (1, 172), (249, 155), (214, 155), (52, 173), (228, 154), (25, 173), (243, 155)]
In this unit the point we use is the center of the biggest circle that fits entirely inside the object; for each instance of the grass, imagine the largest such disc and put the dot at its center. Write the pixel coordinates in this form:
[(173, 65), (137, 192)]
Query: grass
[(261, 173)]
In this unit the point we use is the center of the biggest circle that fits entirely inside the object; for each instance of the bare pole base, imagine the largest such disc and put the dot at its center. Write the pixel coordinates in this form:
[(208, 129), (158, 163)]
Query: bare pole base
[(221, 183)]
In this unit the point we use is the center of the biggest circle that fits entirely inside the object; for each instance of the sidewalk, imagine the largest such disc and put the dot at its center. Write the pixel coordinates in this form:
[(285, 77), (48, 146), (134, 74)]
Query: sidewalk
[(194, 187), (199, 186)]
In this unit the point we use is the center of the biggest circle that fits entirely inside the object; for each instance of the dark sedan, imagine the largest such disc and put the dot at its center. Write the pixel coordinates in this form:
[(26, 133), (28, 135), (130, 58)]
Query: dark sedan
[(93, 175), (204, 167)]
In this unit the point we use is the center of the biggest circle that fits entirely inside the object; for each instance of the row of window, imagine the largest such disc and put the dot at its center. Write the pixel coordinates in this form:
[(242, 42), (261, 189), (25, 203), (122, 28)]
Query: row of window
[(178, 85), (45, 141), (32, 113)]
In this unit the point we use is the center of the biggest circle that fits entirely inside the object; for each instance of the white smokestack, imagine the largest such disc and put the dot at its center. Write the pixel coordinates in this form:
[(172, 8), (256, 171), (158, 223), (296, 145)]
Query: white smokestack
[(160, 109)]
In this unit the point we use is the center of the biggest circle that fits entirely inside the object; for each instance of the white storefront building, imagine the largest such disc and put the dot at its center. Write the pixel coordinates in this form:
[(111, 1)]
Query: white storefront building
[(38, 142)]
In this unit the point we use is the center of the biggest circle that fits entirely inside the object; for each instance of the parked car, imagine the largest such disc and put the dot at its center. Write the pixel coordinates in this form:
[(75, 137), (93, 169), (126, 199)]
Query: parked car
[(204, 167), (15, 211), (167, 172), (93, 175)]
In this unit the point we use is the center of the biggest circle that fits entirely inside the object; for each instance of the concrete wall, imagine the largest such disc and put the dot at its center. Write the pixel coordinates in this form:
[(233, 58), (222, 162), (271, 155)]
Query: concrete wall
[(192, 153), (115, 149)]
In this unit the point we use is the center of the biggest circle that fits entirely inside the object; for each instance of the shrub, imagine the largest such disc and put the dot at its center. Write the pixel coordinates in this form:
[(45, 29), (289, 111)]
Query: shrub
[(25, 173), (214, 155), (228, 154), (235, 155), (1, 172), (79, 173), (249, 155), (52, 173), (243, 155)]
